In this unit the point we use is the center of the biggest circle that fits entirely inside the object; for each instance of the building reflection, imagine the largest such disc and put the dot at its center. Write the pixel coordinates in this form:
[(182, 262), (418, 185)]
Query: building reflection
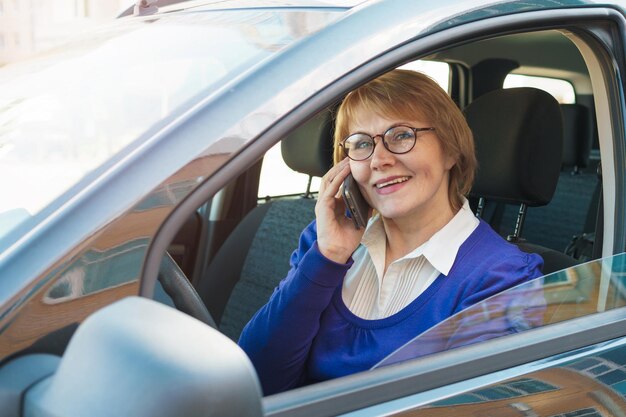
[(594, 386)]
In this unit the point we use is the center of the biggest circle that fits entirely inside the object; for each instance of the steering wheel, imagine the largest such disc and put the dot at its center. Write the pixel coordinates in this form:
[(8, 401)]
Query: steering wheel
[(179, 289)]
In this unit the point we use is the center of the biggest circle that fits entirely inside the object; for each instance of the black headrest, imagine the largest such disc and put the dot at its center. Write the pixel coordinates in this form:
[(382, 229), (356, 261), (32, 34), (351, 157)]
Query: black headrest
[(577, 135), (519, 142), (309, 148)]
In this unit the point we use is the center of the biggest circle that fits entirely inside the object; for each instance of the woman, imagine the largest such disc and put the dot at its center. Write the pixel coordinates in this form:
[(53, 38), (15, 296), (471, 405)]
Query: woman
[(353, 296)]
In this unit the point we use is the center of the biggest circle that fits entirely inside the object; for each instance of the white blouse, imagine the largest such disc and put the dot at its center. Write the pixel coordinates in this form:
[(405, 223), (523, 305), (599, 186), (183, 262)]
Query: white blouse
[(370, 295)]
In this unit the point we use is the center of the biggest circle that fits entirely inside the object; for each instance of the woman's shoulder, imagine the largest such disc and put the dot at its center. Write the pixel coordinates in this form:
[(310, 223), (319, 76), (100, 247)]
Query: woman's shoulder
[(487, 239), (488, 265), (484, 245)]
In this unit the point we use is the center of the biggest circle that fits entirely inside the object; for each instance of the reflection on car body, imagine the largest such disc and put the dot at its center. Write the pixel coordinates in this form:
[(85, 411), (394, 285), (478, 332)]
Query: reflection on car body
[(545, 393)]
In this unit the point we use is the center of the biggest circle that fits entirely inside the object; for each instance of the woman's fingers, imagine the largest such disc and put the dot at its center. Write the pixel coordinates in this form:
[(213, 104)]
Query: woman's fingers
[(336, 236), (329, 205), (331, 182)]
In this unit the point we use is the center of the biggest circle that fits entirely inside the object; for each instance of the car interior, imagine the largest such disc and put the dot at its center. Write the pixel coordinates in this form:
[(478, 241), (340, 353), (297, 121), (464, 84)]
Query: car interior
[(538, 182)]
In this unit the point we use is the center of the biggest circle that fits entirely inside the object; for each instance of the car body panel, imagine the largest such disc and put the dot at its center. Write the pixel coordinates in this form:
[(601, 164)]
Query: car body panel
[(573, 387)]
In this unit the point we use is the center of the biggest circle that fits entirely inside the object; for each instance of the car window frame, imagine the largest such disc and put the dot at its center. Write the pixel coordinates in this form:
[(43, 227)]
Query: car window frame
[(366, 389)]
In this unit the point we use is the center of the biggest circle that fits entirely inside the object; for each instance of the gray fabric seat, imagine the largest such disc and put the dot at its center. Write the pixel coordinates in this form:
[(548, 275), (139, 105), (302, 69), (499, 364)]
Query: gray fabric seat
[(255, 257), (267, 261)]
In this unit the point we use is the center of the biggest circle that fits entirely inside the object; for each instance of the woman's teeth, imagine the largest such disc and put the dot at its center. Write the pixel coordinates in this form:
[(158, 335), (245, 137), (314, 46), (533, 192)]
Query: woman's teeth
[(394, 181)]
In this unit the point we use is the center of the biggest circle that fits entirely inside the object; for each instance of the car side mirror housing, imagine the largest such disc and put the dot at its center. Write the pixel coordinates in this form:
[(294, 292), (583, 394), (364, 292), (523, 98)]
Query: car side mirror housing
[(140, 358)]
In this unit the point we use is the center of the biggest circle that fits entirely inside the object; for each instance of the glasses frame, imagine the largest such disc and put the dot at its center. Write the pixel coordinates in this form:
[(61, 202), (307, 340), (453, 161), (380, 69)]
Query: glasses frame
[(382, 138)]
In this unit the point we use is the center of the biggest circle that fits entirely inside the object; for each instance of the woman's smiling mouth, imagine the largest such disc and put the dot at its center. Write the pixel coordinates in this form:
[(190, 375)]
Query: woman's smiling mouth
[(388, 182)]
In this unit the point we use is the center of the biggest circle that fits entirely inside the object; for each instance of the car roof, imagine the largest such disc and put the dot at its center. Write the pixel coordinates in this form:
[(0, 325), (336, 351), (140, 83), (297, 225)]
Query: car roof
[(546, 53), (558, 57), (168, 6)]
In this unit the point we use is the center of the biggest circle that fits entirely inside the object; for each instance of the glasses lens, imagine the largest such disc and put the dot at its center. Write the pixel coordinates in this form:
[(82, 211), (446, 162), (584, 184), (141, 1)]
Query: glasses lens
[(359, 146), (400, 139)]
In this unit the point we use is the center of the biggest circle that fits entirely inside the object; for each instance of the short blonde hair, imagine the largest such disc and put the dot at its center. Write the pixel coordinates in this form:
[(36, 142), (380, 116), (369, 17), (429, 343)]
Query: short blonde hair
[(412, 95)]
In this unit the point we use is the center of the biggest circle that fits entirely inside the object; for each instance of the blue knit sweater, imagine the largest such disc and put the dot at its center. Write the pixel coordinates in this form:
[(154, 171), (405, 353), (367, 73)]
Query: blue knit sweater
[(305, 333)]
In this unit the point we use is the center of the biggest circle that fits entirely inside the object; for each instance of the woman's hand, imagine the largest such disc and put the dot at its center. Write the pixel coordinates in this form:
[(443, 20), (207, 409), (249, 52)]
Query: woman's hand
[(337, 238)]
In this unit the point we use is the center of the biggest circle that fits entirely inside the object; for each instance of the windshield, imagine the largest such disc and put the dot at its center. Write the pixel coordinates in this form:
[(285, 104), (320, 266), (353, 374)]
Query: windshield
[(68, 112), (574, 292)]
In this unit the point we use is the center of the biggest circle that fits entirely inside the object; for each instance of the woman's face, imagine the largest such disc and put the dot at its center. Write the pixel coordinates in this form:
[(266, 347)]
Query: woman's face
[(405, 185)]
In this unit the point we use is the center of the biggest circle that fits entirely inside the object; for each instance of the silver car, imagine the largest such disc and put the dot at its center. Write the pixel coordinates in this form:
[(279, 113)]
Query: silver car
[(155, 175)]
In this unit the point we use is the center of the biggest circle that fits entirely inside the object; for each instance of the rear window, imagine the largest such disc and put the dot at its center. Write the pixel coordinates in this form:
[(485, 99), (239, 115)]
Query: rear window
[(561, 90)]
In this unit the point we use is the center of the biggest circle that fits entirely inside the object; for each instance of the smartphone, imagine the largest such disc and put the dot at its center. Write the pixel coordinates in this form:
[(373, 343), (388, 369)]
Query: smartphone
[(355, 202)]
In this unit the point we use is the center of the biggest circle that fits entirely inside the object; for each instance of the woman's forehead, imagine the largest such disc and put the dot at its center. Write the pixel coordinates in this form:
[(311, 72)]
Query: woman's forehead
[(374, 119)]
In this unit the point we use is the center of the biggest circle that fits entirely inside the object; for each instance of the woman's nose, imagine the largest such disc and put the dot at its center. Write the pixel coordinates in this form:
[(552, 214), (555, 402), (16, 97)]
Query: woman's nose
[(381, 157)]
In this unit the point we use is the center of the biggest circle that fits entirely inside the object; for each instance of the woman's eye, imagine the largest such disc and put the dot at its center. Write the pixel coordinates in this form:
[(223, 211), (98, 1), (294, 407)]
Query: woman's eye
[(364, 144), (402, 136)]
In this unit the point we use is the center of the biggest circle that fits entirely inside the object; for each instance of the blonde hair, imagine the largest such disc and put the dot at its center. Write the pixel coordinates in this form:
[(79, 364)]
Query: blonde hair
[(411, 95)]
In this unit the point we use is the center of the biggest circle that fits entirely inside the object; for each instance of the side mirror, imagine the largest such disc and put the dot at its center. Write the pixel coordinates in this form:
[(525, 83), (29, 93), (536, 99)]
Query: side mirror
[(140, 358)]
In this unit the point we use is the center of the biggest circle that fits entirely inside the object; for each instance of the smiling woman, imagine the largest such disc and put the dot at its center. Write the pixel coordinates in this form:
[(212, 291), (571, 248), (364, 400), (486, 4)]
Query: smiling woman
[(354, 295), (293, 183)]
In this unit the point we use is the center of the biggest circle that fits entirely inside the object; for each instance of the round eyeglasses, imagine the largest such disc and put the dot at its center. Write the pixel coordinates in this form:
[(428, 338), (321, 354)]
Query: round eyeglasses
[(397, 139)]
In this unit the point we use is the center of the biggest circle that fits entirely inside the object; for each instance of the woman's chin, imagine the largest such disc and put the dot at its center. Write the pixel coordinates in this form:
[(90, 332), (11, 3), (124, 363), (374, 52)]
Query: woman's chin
[(392, 212)]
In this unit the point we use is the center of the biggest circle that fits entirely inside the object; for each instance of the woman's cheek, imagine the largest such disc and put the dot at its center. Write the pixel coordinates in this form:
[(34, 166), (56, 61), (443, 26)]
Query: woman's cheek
[(361, 175)]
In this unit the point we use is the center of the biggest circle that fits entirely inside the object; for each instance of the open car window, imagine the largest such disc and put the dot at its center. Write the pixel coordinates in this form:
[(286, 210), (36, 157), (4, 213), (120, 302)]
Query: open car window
[(294, 183), (579, 291)]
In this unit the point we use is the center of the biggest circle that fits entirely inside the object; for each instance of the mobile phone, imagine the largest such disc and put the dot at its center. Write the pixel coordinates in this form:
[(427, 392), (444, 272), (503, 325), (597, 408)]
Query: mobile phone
[(355, 202)]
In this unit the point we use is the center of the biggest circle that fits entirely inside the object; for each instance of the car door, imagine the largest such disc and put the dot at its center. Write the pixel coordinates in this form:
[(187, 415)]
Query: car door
[(410, 382), (585, 381)]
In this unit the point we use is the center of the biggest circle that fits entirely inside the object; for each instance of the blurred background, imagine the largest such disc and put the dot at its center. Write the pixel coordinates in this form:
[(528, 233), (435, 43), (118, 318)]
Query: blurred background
[(31, 26)]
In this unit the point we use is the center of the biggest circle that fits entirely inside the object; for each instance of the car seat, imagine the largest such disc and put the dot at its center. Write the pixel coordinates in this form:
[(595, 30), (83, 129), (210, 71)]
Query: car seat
[(519, 144), (255, 257), (573, 201)]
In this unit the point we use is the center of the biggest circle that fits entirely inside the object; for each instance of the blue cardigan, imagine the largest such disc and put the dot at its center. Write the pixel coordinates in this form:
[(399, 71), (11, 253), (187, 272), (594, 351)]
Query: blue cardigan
[(305, 333)]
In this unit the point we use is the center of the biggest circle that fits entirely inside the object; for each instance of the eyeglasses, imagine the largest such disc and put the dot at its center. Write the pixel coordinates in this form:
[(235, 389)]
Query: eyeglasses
[(397, 139)]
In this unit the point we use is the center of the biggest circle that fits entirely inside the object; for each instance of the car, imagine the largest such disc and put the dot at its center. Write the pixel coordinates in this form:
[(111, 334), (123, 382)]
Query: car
[(146, 213)]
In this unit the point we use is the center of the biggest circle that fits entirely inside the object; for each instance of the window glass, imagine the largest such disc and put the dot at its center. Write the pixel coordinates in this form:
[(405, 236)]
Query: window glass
[(69, 111), (438, 71), (562, 90), (574, 292), (577, 384), (277, 179)]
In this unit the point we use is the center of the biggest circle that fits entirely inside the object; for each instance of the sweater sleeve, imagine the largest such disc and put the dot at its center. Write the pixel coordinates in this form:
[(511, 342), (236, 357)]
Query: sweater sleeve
[(279, 336)]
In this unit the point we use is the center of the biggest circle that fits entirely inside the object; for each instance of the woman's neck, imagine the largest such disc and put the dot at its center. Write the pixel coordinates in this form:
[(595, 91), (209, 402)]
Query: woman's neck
[(407, 233)]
